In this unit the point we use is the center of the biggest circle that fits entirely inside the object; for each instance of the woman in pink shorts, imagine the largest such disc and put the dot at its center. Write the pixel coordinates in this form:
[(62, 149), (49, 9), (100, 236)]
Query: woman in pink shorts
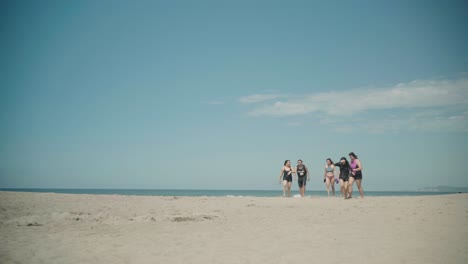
[(329, 176)]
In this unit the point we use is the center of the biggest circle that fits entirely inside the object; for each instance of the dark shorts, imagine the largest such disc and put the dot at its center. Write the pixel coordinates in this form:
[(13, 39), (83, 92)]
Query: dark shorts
[(287, 178), (302, 180), (344, 178), (358, 176)]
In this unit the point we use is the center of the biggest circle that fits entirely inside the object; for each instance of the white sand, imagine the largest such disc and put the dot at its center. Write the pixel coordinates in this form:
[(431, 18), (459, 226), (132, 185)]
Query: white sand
[(68, 228)]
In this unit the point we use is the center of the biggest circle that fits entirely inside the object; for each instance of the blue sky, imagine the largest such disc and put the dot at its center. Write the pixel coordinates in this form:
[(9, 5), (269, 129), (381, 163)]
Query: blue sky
[(217, 94)]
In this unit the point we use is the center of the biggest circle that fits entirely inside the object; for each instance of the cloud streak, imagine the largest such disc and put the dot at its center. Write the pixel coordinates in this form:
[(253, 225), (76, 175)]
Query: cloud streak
[(421, 120), (257, 98), (416, 94), (430, 105)]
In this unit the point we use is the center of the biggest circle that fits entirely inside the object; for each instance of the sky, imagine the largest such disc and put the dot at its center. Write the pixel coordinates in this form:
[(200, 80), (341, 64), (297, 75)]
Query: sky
[(217, 94)]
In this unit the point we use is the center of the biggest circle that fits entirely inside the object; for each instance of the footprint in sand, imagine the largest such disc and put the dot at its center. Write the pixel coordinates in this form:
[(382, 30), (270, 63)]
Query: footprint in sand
[(193, 218)]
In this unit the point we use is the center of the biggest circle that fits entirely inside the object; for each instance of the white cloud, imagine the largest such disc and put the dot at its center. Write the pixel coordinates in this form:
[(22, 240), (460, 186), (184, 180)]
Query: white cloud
[(295, 124), (417, 121), (257, 98), (416, 94), (453, 119), (434, 105)]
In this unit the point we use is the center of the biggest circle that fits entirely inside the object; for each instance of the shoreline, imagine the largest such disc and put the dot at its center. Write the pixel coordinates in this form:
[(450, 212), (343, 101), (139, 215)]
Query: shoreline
[(228, 193)]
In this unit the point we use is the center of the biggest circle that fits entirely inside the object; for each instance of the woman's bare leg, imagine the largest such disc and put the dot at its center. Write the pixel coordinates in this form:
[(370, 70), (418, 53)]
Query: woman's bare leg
[(328, 186), (333, 187), (358, 184), (350, 187), (285, 184), (342, 192), (345, 189), (289, 189)]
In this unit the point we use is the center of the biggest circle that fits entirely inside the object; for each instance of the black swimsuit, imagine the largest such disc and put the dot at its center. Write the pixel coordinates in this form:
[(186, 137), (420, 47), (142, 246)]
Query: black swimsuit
[(301, 173), (344, 171), (287, 176), (358, 174)]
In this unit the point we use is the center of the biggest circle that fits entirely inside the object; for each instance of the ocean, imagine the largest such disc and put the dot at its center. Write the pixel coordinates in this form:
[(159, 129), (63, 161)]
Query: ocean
[(214, 193)]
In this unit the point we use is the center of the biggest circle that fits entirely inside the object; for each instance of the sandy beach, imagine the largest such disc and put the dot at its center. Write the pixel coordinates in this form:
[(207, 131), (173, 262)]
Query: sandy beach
[(79, 228)]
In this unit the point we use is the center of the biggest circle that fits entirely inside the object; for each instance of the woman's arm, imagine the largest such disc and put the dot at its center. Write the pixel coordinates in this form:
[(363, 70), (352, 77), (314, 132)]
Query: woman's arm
[(281, 174), (359, 168)]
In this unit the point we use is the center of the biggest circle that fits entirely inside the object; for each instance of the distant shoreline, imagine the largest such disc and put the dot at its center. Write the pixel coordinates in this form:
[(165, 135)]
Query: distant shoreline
[(210, 193)]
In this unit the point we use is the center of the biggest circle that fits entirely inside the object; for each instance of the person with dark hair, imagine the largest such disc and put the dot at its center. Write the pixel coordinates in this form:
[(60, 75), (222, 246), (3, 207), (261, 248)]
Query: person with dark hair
[(356, 174), (344, 175), (302, 176), (286, 176), (329, 176)]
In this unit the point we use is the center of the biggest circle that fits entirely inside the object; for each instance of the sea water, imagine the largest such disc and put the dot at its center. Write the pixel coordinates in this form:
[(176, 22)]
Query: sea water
[(215, 193)]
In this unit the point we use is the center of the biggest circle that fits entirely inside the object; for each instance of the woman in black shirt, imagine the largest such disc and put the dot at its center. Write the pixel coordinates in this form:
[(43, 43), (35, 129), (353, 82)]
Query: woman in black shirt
[(344, 175)]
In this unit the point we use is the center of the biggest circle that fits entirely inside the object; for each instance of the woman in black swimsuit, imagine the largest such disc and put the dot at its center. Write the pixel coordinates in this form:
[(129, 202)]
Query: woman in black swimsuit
[(286, 177), (344, 175)]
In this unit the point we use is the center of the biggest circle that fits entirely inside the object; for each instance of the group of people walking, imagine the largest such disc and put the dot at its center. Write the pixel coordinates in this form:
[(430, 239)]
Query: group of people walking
[(349, 173)]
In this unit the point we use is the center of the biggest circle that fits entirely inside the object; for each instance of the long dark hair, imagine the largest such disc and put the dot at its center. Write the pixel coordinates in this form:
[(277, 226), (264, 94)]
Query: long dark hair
[(346, 161), (285, 162), (331, 161), (352, 154)]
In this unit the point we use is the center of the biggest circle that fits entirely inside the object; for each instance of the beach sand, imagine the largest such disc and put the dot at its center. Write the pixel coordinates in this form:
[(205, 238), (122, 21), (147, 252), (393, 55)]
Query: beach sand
[(80, 228)]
